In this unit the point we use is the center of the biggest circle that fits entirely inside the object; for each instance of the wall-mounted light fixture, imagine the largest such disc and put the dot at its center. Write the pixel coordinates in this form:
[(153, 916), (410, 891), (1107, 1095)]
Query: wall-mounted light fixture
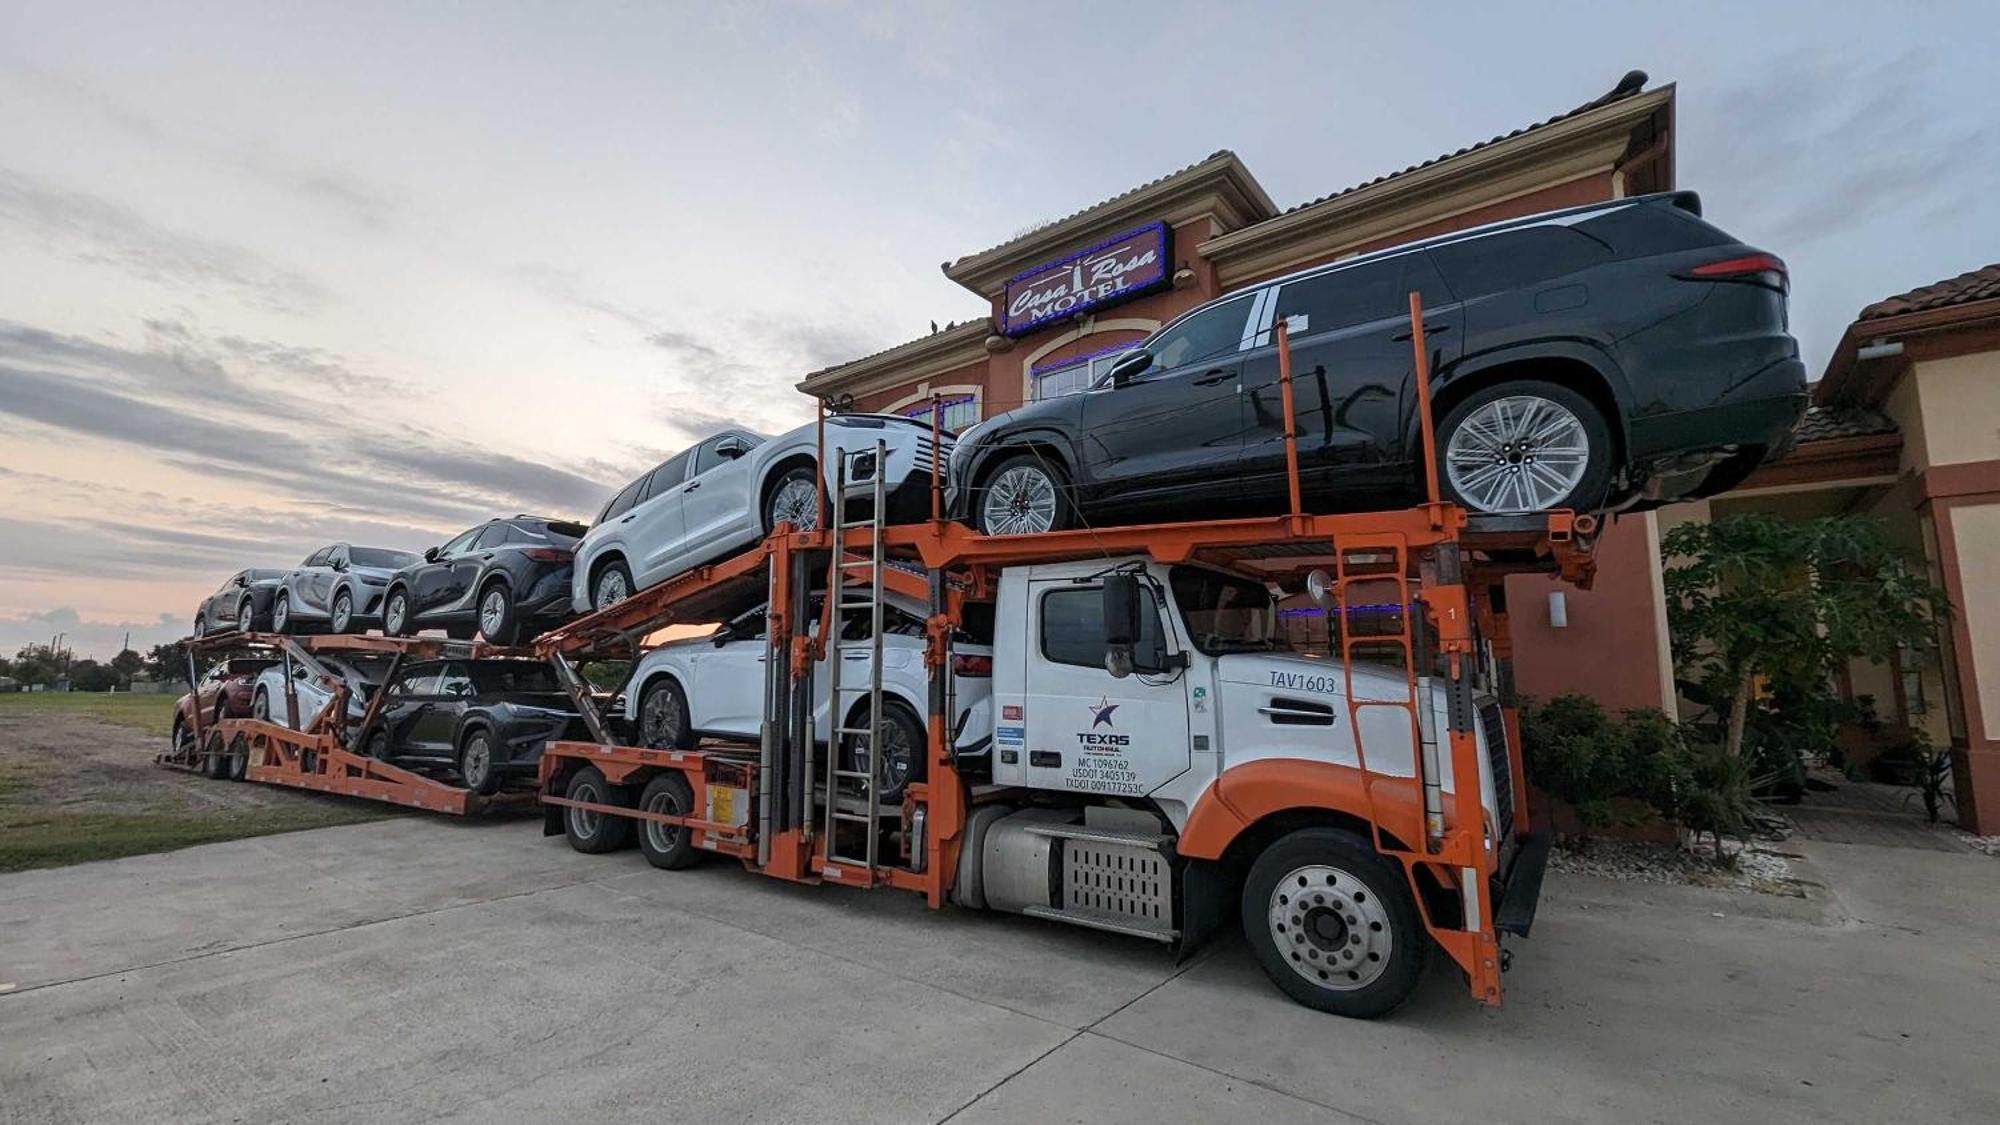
[(1558, 610)]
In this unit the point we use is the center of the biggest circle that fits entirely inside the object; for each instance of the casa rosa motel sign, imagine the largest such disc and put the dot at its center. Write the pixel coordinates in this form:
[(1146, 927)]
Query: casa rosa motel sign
[(1121, 268)]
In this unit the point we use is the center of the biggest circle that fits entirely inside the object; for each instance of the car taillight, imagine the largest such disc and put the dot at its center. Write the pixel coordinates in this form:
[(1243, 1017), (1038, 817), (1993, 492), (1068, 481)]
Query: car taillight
[(967, 664), (1757, 269), (547, 554)]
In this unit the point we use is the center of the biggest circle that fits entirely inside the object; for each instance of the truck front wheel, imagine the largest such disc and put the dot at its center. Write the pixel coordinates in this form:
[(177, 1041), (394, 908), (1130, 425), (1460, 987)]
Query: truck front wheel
[(1333, 924)]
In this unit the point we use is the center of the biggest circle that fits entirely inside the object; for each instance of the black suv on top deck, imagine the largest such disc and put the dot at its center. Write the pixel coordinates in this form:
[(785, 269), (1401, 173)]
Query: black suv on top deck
[(1621, 354), (508, 579)]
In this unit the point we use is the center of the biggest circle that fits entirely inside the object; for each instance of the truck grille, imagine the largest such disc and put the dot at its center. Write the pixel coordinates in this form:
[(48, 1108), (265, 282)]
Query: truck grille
[(1495, 725)]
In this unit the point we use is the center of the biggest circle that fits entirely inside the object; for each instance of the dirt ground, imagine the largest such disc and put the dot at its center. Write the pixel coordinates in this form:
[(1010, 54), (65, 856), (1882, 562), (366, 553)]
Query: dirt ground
[(75, 786)]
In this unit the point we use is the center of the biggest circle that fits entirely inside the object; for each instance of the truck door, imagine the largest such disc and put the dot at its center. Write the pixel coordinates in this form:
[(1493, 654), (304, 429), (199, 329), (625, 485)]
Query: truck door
[(1085, 729)]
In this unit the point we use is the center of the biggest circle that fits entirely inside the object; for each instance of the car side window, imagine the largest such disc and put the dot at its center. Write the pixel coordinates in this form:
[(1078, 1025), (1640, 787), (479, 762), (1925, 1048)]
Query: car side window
[(622, 503), (710, 453), (459, 545), (1073, 628), (1209, 334), (1514, 259), (1359, 294), (493, 535), (668, 476), (417, 682), (317, 558), (456, 682)]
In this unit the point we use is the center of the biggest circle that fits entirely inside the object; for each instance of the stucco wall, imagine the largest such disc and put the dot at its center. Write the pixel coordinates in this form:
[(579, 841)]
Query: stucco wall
[(1959, 403), (1611, 648), (1976, 529)]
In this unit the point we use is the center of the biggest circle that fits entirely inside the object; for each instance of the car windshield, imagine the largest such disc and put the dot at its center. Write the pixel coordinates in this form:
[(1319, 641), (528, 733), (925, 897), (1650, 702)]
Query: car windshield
[(376, 556), (561, 529), (1224, 613), (513, 676)]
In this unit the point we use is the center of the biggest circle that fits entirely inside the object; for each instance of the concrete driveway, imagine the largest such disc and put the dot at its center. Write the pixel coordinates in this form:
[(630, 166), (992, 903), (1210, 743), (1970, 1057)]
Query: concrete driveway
[(418, 968)]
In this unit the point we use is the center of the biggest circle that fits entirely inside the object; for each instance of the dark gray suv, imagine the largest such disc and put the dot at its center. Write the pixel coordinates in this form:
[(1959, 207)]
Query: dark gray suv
[(1623, 354)]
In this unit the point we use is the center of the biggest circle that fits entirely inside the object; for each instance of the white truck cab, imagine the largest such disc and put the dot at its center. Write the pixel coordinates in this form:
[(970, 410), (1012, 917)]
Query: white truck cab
[(1164, 761)]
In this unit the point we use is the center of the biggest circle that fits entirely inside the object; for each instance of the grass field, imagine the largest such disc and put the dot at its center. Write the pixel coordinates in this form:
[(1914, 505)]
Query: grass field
[(153, 714), (77, 783)]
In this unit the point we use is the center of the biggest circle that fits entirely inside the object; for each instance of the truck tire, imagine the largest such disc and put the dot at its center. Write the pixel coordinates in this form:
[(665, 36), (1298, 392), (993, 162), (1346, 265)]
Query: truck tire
[(668, 846), (238, 766), (594, 833), (215, 756), (1333, 924)]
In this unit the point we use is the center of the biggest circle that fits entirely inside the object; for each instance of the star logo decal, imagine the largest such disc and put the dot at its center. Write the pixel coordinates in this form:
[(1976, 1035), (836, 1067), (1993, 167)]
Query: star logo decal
[(1101, 713)]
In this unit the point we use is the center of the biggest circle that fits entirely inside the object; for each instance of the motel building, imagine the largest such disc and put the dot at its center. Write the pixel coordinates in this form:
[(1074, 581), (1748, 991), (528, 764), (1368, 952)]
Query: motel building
[(1067, 297)]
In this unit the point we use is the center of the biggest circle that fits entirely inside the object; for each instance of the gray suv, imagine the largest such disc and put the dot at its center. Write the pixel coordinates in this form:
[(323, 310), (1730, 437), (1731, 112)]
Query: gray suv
[(337, 588)]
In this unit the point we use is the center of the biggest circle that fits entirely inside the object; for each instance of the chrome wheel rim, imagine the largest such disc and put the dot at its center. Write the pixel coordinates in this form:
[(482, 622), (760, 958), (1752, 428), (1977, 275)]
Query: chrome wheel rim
[(611, 588), (892, 768), (492, 608), (393, 614), (1330, 927), (660, 719), (796, 502), (478, 760), (1020, 501), (1521, 453), (245, 616), (584, 821), (663, 837), (343, 613), (281, 614)]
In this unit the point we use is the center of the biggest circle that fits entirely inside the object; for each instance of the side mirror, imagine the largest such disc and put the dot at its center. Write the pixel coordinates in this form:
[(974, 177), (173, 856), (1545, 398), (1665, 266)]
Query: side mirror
[(430, 554), (729, 452), (340, 564), (1121, 622), (1128, 366)]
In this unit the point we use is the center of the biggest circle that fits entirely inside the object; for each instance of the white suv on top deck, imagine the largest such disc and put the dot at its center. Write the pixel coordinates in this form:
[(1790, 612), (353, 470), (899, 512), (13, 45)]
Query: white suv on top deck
[(729, 492)]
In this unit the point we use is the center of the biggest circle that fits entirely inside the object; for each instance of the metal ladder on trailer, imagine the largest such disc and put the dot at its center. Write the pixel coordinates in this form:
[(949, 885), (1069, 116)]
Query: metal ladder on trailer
[(844, 595)]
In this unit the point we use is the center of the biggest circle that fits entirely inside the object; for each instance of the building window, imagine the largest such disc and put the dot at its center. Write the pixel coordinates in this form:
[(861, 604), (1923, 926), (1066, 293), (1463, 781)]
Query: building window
[(955, 412), (1074, 374)]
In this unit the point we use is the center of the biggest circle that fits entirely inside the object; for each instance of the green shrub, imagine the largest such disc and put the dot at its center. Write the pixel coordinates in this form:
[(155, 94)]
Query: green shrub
[(1576, 752), (1716, 795)]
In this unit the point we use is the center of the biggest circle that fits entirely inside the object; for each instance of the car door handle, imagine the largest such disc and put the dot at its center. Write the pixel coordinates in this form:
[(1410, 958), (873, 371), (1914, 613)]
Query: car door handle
[(691, 486), (1214, 376), (627, 519), (1429, 330)]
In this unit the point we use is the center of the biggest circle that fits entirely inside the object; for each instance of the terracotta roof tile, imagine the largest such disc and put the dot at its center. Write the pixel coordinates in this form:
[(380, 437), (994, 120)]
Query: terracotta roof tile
[(1829, 423), (1216, 155), (1633, 83), (1973, 285)]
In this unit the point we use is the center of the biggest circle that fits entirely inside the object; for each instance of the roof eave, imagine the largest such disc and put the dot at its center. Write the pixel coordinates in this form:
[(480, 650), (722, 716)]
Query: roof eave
[(1853, 381), (1223, 175), (940, 349), (1622, 115)]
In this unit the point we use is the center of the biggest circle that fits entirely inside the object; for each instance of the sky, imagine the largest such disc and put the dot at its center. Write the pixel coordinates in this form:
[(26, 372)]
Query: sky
[(276, 275)]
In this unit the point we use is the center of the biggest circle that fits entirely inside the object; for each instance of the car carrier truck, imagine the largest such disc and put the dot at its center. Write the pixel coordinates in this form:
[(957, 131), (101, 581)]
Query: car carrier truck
[(1159, 759)]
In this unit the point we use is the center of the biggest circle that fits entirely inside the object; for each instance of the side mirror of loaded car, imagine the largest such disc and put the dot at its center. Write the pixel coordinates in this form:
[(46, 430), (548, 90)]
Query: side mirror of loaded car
[(1121, 622), (1128, 366), (729, 452), (430, 554)]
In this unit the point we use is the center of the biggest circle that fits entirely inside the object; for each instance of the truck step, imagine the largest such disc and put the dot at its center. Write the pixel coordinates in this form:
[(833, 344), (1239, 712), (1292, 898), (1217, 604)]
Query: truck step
[(1102, 920), (1155, 841)]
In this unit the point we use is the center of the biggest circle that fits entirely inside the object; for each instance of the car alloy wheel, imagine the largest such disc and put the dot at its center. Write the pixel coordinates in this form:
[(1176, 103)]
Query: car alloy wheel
[(1332, 931), (611, 588), (1521, 453), (475, 766), (796, 502), (1021, 500), (281, 615), (492, 612), (246, 616), (200, 626), (343, 612), (660, 718), (395, 613)]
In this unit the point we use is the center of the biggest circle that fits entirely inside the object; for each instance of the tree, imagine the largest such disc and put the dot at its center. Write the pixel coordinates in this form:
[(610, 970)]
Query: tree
[(127, 664), (89, 675), (35, 664), (1753, 598), (167, 662)]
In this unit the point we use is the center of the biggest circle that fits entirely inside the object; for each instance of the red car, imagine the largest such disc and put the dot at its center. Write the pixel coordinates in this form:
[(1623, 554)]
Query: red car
[(224, 693)]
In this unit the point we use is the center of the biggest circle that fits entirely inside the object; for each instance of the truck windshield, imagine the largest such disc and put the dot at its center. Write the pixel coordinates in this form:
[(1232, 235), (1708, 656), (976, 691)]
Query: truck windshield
[(1224, 613)]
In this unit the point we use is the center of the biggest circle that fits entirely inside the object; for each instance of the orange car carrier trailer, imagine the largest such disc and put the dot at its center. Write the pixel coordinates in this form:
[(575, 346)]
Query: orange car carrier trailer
[(324, 754), (1418, 590)]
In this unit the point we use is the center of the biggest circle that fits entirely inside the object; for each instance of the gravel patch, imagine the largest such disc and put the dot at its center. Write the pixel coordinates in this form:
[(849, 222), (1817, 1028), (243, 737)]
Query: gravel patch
[(1756, 870), (1987, 844)]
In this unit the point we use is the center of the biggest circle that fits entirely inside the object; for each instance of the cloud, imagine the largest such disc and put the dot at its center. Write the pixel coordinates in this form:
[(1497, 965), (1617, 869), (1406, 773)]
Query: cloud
[(236, 421), (96, 640), (91, 229)]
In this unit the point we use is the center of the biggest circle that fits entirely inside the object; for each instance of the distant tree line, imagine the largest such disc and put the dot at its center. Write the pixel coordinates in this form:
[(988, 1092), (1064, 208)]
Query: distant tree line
[(43, 666)]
